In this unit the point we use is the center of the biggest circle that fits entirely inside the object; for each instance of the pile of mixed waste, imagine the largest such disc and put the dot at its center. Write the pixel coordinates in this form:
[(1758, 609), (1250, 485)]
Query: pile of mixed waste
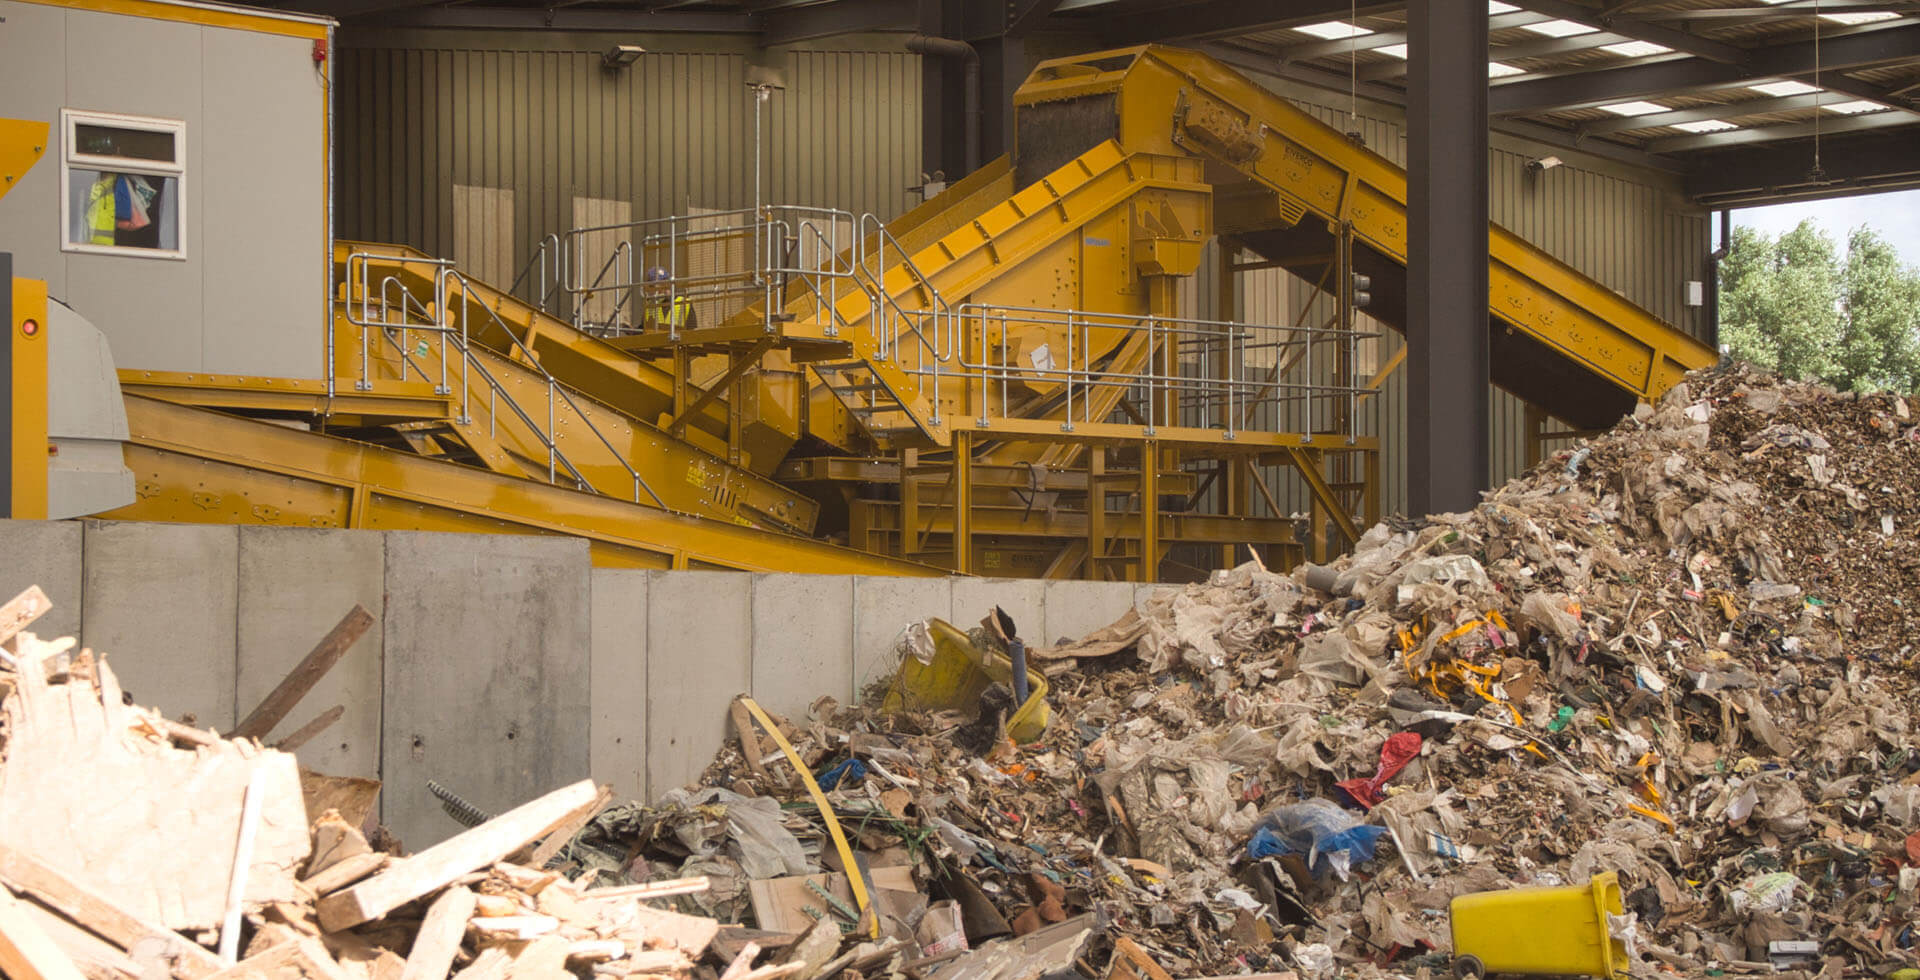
[(1678, 652)]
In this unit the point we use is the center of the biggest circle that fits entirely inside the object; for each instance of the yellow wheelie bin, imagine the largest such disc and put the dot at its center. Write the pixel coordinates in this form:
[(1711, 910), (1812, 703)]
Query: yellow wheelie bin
[(1559, 931)]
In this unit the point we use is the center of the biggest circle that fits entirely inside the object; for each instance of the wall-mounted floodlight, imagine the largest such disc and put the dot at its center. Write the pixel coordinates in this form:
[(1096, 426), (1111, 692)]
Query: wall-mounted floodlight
[(1543, 164), (762, 77), (621, 56)]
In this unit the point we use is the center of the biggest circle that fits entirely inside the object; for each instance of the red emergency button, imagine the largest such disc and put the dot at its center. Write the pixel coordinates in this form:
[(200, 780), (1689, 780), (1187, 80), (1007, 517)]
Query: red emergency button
[(29, 327)]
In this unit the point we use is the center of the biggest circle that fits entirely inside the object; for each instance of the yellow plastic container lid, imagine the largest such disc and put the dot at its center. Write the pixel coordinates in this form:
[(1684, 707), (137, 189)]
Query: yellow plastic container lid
[(1557, 931), (958, 674)]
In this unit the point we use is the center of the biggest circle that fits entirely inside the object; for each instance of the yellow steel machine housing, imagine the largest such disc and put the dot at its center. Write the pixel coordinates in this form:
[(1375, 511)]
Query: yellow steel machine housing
[(995, 383)]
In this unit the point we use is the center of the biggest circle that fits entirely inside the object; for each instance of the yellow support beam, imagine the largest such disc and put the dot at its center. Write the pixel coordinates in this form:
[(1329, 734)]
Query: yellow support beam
[(28, 445), (206, 467)]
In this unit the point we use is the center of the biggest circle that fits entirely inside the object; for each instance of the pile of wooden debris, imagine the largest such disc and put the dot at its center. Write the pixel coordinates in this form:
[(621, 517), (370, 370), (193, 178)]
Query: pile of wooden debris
[(133, 847)]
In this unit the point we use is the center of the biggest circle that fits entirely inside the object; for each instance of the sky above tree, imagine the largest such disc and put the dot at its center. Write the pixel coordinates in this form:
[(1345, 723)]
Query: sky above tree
[(1896, 216)]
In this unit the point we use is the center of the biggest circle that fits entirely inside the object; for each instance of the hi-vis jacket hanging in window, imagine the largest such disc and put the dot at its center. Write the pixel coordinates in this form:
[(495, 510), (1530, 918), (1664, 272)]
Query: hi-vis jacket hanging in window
[(120, 210)]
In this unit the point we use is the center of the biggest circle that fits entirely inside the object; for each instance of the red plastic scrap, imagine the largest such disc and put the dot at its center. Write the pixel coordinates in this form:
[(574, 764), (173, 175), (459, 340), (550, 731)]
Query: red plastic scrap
[(1399, 749)]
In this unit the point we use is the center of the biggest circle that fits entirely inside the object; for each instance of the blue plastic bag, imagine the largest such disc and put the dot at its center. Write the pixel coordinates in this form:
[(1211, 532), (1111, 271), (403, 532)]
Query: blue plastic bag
[(1330, 838), (848, 769)]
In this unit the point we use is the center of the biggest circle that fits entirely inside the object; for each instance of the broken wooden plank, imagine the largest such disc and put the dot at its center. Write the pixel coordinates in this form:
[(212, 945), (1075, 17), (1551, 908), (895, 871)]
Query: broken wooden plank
[(334, 841), (596, 950), (100, 914), (26, 952), (289, 955), (434, 867), (561, 835), (652, 889), (690, 934), (515, 927), (657, 961), (21, 610), (94, 957), (730, 940), (491, 964), (282, 699), (496, 905), (179, 732), (262, 964), (346, 872), (352, 797), (1130, 961), (439, 937), (307, 732), (742, 963), (242, 858), (750, 748), (527, 881), (775, 971), (815, 948), (543, 959)]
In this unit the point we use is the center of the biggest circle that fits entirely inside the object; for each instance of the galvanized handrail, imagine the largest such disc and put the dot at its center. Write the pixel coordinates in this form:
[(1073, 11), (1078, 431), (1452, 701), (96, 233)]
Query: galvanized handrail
[(553, 387), (612, 326), (1079, 374), (939, 308), (445, 275), (539, 259)]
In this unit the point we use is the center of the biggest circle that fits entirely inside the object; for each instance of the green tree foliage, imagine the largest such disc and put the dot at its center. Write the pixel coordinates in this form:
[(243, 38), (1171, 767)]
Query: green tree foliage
[(1793, 305)]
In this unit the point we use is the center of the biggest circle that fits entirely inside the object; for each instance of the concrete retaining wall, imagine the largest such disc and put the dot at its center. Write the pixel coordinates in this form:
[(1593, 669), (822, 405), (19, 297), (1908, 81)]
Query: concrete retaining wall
[(500, 666)]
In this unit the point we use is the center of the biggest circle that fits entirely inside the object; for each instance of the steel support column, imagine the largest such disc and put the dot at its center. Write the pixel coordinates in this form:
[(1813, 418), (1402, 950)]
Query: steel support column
[(1149, 510), (1004, 64), (1447, 403), (942, 109), (963, 502), (1096, 512)]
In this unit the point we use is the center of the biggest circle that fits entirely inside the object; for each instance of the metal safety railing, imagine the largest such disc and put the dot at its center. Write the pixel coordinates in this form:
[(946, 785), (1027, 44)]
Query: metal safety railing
[(716, 264), (1182, 369), (545, 271), (777, 258), (789, 262), (398, 314)]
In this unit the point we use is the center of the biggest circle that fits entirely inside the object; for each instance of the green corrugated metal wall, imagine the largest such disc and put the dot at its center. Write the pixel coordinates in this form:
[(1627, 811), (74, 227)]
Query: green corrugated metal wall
[(538, 116), (421, 112)]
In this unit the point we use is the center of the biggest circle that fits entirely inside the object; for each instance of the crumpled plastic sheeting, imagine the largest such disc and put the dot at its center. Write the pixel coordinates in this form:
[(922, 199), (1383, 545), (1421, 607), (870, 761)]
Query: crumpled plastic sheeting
[(754, 836)]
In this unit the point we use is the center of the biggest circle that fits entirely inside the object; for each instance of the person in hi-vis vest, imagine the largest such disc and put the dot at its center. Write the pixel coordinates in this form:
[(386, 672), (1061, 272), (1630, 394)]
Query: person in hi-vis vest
[(664, 310)]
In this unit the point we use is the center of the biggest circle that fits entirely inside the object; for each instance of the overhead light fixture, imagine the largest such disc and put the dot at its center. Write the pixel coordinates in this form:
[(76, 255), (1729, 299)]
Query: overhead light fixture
[(763, 77), (1634, 108), (1543, 164), (621, 56), (1855, 107), (1861, 17), (1559, 28), (1500, 69), (1496, 7), (1784, 88), (1394, 50), (1705, 126), (1334, 30), (1635, 49)]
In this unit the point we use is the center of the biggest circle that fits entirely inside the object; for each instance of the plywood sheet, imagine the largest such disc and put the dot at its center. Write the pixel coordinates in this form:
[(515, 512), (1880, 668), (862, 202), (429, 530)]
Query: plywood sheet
[(164, 846)]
